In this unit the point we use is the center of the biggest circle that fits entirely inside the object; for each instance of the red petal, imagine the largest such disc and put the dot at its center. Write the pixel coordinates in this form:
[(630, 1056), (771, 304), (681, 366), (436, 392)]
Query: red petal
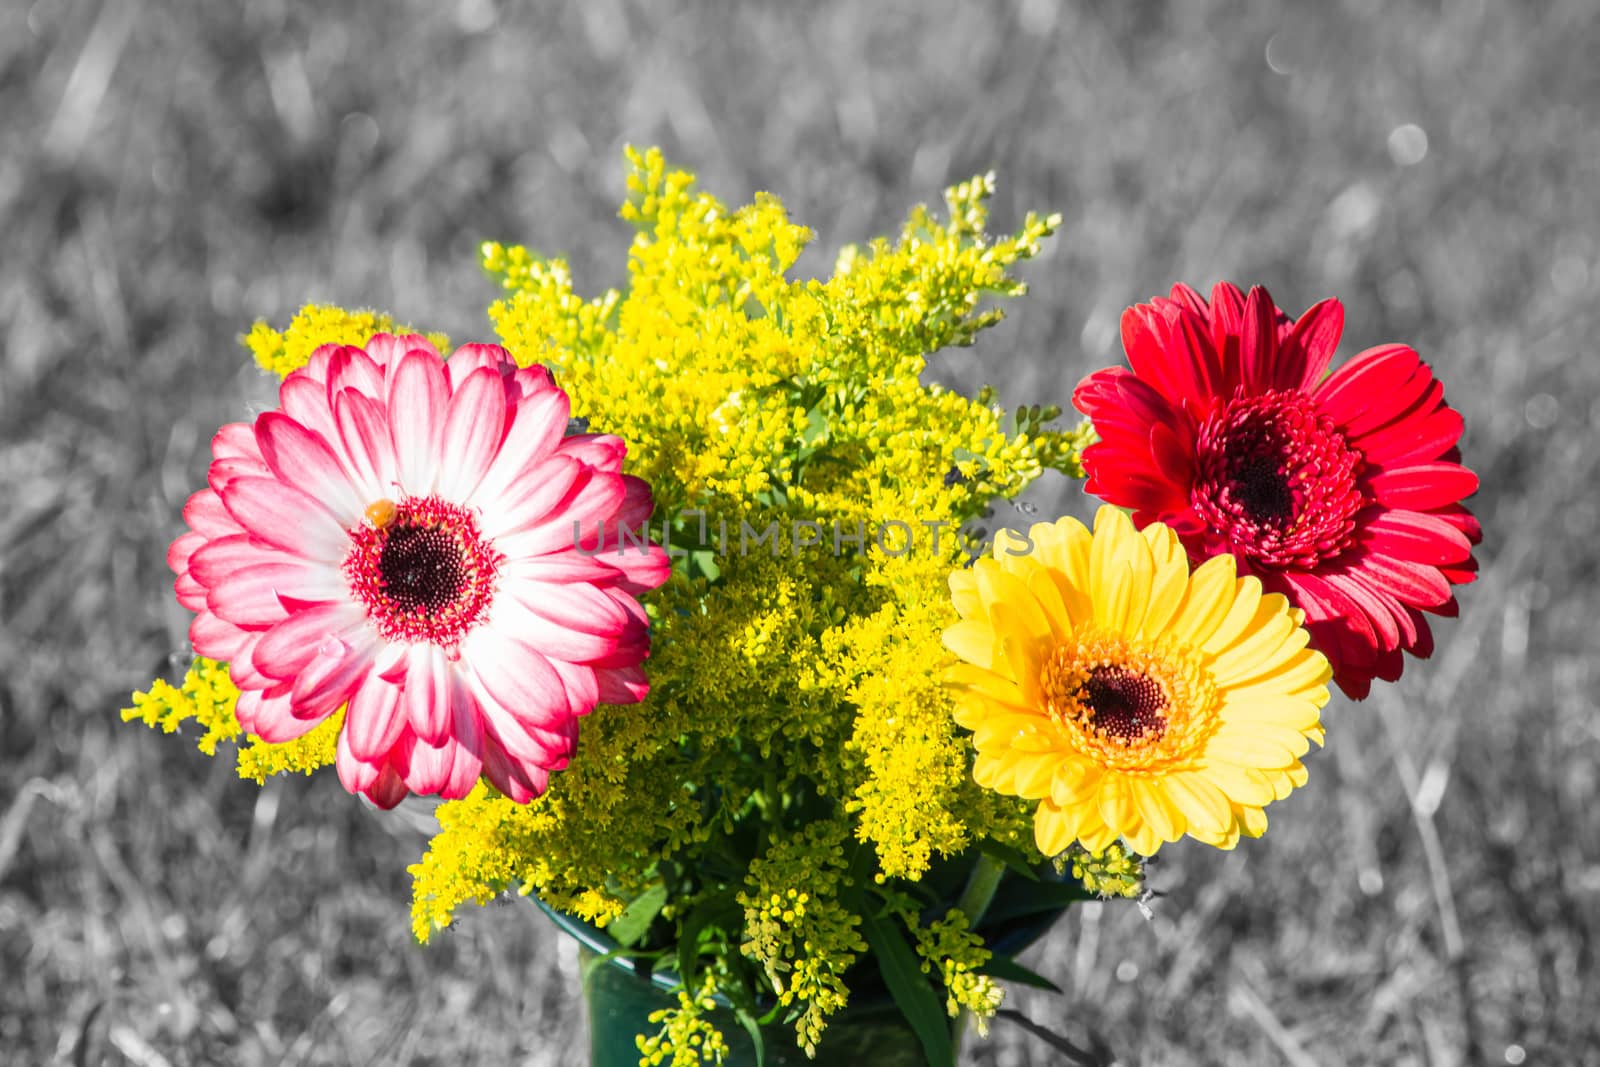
[(1423, 486), (1258, 342), (1413, 583), (1304, 356), (1414, 536)]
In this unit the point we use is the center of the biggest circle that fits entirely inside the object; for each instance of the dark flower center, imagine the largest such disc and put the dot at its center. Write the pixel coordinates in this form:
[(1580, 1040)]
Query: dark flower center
[(1263, 490), (1124, 704), (422, 569), (1277, 483)]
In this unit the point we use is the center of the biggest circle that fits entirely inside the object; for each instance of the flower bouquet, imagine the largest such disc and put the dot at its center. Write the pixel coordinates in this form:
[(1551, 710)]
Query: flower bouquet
[(691, 605)]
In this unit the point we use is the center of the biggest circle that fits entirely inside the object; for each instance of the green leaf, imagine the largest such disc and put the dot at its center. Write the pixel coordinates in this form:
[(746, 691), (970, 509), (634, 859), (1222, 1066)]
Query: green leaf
[(636, 918), (1011, 857), (753, 1028), (1009, 970), (711, 916), (1034, 899), (909, 987)]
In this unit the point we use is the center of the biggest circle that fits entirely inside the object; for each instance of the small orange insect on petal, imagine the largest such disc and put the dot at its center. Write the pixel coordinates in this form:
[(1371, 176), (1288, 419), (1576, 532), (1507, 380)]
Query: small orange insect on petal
[(381, 513)]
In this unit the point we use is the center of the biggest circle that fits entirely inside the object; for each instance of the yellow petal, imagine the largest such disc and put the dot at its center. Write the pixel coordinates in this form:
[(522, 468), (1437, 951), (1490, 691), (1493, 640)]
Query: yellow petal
[(964, 594), (1257, 650), (1169, 581), (974, 642), (997, 588), (1076, 782), (1022, 651), (1094, 834), (1301, 675), (967, 678), (1116, 803), (1042, 585), (1033, 775), (1202, 803), (1260, 745), (1074, 597), (1143, 839), (1244, 615), (1243, 785), (1054, 829), (1113, 596), (1252, 821), (1205, 605), (1156, 810)]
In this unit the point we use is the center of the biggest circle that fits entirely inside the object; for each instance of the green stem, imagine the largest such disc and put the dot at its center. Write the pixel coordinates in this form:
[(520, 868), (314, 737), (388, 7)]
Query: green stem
[(974, 901), (981, 884)]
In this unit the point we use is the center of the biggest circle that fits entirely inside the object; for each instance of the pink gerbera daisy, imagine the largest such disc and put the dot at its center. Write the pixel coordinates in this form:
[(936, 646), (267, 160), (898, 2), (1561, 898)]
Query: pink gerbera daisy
[(417, 540), (1341, 491)]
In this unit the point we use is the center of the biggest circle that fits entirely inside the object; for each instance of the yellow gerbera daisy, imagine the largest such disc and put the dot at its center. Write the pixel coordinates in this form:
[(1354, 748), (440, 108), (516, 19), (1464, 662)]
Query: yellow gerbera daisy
[(1129, 697)]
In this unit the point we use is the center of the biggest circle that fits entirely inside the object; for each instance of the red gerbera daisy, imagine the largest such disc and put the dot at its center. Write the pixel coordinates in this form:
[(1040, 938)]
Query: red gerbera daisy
[(1341, 491), (401, 537)]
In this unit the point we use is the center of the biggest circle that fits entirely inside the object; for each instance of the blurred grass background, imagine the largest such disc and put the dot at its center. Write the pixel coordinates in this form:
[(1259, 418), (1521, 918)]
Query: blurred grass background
[(171, 171)]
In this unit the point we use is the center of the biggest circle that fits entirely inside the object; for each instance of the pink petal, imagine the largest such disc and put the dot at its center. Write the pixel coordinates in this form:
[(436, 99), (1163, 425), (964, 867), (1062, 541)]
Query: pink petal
[(576, 520), (559, 567), (363, 428), (215, 638), (417, 400), (601, 451), (427, 767), (573, 607), (352, 369), (389, 790), (191, 594), (473, 426), (333, 675), (520, 740), (253, 597), (288, 647), (519, 781), (305, 400), (270, 718), (427, 694), (517, 677), (536, 493), (373, 722), (583, 691), (303, 459), (356, 775), (467, 359), (386, 349), (642, 570), (236, 440), (181, 549), (622, 685), (536, 427), (205, 515), (513, 614), (318, 366), (286, 518)]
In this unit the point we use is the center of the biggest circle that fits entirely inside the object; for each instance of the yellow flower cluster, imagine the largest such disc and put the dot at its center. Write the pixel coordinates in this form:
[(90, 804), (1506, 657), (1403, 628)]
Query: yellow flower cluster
[(958, 952), (817, 493), (206, 698), (1114, 871), (686, 1038), (285, 351)]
